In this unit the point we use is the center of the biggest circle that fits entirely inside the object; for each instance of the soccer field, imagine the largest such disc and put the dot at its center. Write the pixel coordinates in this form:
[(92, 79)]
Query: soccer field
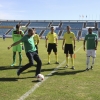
[(63, 84)]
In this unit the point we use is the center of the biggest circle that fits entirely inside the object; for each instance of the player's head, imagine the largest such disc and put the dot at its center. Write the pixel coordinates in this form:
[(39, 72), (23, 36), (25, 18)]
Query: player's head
[(30, 32), (68, 28), (17, 27), (90, 30), (52, 29)]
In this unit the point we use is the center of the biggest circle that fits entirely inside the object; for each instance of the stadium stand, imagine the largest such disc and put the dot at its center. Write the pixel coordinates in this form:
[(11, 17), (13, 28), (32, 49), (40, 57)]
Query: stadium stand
[(8, 23), (23, 23), (98, 24), (3, 31), (84, 32), (55, 24), (90, 24), (46, 32), (43, 27), (74, 25), (38, 24)]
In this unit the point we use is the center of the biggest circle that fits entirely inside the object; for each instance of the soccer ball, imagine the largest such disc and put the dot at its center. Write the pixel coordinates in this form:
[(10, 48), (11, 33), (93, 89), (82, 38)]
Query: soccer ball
[(40, 77)]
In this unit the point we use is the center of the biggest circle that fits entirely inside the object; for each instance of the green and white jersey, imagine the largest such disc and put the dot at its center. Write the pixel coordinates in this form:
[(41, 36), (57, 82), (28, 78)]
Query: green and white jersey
[(17, 35), (28, 43), (91, 38)]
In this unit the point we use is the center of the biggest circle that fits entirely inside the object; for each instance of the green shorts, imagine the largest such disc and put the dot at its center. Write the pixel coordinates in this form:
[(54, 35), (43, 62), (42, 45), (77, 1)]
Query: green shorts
[(17, 48)]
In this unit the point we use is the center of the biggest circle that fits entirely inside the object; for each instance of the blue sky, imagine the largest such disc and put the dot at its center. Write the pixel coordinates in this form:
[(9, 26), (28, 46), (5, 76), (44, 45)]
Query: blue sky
[(50, 9)]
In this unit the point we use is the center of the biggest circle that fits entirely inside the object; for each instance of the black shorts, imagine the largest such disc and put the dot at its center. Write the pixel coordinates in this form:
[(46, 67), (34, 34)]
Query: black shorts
[(52, 46), (68, 49)]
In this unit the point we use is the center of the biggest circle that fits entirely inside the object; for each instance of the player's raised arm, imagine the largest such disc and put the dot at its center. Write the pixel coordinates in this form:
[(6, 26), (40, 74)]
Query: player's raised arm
[(14, 44)]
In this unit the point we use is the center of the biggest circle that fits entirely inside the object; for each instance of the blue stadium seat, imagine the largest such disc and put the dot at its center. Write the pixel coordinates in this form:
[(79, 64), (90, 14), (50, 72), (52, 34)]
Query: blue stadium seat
[(73, 25), (10, 33), (23, 23), (3, 31), (38, 24), (46, 32), (90, 24), (55, 23), (38, 31), (98, 24), (8, 23), (84, 32)]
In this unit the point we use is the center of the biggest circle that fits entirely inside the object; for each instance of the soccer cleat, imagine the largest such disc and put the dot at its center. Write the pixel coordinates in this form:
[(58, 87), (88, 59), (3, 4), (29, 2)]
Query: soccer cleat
[(91, 67), (57, 63), (12, 64), (48, 63), (87, 69), (73, 67), (66, 66), (18, 72)]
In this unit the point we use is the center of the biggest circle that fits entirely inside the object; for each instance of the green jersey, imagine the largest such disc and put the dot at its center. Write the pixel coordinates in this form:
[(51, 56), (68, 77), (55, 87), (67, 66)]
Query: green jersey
[(28, 43), (91, 38), (17, 35)]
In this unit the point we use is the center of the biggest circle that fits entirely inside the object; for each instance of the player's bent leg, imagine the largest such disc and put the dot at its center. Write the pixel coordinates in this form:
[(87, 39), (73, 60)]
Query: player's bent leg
[(39, 64), (36, 48), (14, 59), (30, 58)]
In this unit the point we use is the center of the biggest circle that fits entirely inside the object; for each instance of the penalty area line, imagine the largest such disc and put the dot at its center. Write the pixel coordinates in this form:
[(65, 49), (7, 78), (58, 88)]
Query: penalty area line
[(24, 96)]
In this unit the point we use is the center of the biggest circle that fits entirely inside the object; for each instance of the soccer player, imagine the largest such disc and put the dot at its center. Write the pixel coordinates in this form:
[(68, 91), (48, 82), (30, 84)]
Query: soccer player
[(68, 46), (17, 35), (4, 36), (31, 54), (52, 41), (92, 42), (36, 39)]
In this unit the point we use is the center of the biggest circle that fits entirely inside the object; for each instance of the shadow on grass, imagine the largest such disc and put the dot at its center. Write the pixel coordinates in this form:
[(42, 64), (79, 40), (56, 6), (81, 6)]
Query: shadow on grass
[(42, 70), (9, 79), (68, 72), (48, 64), (8, 67), (30, 71)]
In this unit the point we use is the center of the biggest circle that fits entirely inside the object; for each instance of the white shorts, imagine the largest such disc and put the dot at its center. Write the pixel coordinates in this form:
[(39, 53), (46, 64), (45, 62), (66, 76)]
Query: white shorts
[(91, 53)]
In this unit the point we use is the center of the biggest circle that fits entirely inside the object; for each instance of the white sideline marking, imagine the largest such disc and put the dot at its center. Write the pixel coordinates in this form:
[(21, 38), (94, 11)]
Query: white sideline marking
[(24, 96)]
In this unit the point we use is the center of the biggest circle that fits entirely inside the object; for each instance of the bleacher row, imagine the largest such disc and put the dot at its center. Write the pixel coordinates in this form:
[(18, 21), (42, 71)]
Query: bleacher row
[(43, 27)]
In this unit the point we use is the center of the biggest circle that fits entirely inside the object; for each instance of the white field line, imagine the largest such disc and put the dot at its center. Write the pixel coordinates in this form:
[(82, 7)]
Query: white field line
[(24, 96)]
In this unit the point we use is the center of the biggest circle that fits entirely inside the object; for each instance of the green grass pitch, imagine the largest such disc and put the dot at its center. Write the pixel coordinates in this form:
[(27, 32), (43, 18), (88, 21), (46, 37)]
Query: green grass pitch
[(64, 84)]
